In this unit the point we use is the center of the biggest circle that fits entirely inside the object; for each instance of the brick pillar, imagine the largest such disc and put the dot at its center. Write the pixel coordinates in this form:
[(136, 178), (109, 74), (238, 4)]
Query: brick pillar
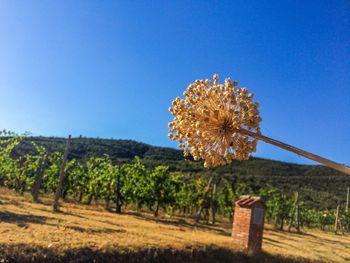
[(248, 224), (241, 226)]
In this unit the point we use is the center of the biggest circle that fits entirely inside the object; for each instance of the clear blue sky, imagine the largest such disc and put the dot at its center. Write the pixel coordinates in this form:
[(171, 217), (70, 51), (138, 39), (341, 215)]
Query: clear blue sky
[(111, 68)]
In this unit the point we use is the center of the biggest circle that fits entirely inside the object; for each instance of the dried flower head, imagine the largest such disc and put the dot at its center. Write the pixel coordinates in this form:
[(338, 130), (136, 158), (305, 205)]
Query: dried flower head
[(209, 120)]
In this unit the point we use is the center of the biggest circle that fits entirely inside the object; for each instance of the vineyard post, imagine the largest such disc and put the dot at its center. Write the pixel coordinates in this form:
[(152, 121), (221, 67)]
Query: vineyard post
[(204, 196), (234, 183), (338, 222), (117, 190), (61, 178), (295, 213), (347, 200), (298, 218), (212, 204), (39, 178), (108, 197)]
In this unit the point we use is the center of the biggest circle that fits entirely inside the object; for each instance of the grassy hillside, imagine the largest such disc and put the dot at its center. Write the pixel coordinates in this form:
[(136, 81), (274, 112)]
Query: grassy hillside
[(319, 186)]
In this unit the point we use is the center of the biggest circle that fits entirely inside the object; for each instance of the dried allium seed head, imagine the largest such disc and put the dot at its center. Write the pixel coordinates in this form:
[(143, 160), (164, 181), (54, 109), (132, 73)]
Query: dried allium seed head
[(208, 122)]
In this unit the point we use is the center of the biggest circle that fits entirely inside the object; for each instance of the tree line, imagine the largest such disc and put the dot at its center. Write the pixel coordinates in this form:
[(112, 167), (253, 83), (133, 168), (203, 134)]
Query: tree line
[(321, 187), (123, 184)]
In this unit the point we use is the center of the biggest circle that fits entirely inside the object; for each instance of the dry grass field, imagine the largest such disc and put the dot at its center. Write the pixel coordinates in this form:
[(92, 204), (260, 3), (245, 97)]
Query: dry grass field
[(31, 232)]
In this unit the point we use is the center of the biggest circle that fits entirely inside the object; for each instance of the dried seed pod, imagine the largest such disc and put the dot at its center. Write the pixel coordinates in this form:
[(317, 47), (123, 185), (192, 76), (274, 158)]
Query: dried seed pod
[(209, 119)]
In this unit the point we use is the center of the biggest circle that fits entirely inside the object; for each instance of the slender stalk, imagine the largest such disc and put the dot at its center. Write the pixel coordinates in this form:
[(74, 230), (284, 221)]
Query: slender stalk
[(314, 157)]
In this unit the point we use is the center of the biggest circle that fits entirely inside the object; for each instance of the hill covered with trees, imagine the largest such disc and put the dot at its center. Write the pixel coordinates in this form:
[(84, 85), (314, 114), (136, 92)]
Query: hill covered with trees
[(318, 186)]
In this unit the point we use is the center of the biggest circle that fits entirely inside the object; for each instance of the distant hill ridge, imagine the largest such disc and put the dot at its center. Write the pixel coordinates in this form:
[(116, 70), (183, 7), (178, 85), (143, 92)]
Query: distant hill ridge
[(82, 148)]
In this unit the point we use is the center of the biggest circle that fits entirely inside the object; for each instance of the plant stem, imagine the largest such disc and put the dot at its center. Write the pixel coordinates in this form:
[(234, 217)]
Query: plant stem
[(314, 157)]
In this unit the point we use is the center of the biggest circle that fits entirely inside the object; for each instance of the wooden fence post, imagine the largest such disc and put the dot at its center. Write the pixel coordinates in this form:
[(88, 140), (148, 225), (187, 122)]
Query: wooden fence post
[(295, 214), (347, 200), (61, 179), (204, 196), (119, 200), (297, 218), (338, 223), (39, 178)]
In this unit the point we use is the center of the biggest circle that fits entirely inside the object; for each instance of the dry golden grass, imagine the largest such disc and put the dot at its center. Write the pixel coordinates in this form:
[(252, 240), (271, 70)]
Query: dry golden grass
[(312, 244), (23, 222)]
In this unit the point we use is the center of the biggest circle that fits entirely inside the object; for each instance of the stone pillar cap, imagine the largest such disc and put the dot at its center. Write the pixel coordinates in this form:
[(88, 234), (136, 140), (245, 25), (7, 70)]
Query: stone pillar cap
[(249, 201)]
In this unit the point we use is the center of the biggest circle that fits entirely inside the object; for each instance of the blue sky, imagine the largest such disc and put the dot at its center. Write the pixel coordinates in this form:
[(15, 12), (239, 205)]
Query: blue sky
[(110, 69)]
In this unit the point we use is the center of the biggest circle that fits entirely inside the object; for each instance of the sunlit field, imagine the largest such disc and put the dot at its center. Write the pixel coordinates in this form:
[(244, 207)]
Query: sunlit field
[(31, 231), (174, 131)]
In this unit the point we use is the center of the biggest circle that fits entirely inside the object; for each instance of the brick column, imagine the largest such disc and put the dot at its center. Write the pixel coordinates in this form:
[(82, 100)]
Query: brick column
[(248, 223), (241, 226)]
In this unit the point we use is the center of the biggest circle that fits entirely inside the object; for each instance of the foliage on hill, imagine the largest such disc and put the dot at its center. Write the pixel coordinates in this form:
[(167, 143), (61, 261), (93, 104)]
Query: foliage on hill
[(183, 185), (319, 186)]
